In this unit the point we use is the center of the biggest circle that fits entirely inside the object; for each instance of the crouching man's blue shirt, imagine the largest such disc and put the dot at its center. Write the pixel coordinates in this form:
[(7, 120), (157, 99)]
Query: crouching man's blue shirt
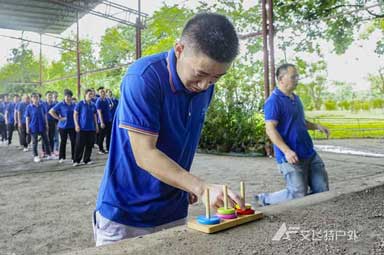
[(289, 114), (154, 102)]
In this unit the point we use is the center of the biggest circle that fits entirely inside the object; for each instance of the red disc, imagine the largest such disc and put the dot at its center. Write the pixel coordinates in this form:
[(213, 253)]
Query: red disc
[(245, 212)]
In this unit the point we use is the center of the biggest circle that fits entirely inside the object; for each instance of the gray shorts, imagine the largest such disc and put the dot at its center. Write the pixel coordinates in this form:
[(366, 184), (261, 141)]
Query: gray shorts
[(106, 231)]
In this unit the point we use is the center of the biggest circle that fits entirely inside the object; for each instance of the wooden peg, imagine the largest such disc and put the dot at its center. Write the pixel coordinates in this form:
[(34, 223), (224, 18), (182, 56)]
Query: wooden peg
[(225, 192), (207, 205)]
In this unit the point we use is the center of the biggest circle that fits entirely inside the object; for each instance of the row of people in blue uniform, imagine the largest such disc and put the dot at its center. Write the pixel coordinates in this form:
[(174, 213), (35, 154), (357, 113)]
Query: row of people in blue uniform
[(84, 123)]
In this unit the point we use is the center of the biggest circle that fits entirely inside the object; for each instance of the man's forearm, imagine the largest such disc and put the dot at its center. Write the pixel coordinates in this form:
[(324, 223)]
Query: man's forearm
[(311, 126), (168, 171), (277, 140)]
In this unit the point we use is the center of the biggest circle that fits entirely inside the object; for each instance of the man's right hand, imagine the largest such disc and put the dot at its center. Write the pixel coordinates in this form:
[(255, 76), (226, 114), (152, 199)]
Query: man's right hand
[(102, 125), (27, 131), (291, 157), (77, 129), (216, 197)]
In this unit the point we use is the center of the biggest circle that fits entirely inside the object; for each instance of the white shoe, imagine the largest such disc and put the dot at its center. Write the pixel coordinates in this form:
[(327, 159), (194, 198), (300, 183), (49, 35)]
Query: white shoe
[(52, 157), (76, 164), (25, 149), (89, 163), (61, 161), (36, 159)]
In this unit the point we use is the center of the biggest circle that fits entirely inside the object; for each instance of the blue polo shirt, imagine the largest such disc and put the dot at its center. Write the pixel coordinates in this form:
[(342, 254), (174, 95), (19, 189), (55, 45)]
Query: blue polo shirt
[(86, 113), (105, 106), (113, 102), (36, 115), (66, 111), (49, 106), (21, 108), (154, 102), (2, 112), (289, 113), (10, 109)]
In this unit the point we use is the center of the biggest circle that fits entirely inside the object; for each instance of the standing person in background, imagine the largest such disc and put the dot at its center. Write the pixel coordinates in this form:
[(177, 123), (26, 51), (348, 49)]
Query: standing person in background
[(10, 121), (113, 102), (17, 123), (37, 124), (21, 109), (56, 136), (3, 127), (63, 112), (105, 120), (49, 104), (86, 127)]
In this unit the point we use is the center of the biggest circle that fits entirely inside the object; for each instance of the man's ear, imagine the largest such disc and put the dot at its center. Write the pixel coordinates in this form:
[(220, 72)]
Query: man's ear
[(179, 48)]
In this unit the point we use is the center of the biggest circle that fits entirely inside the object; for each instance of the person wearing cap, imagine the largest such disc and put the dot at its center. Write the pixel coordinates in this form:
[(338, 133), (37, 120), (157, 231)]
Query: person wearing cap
[(86, 127), (25, 139), (147, 185), (37, 125), (63, 112)]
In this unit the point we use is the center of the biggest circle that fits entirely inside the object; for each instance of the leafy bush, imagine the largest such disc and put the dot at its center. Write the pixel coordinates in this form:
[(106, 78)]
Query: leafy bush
[(330, 105)]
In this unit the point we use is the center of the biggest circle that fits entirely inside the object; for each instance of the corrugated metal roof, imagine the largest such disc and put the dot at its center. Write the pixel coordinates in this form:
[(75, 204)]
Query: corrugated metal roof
[(41, 16)]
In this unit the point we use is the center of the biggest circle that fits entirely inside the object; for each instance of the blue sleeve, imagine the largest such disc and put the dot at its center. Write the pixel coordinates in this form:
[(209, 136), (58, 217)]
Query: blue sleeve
[(56, 108), (140, 105), (27, 112), (271, 110), (78, 107), (98, 104)]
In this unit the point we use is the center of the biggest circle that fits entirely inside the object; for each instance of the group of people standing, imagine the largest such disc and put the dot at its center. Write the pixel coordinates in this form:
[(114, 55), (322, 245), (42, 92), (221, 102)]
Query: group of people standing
[(86, 123)]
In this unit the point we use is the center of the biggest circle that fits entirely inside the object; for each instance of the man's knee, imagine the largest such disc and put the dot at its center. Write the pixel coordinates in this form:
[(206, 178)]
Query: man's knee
[(297, 191)]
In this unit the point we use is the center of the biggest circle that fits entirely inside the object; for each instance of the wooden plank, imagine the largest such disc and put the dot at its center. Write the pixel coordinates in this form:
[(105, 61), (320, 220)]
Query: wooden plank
[(224, 224)]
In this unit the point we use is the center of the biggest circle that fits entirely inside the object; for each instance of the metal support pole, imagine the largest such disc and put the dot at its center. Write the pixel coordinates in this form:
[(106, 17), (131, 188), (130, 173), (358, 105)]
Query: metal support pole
[(41, 64), (78, 56), (265, 48), (271, 32), (138, 32)]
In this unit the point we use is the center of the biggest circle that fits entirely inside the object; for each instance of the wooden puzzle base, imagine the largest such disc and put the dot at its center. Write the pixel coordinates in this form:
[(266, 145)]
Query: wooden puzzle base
[(224, 224)]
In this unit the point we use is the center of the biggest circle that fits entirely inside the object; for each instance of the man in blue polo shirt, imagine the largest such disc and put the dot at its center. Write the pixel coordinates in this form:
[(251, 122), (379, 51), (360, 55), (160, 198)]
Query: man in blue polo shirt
[(104, 107), (49, 104), (25, 139), (3, 127), (164, 98), (10, 120), (86, 127), (287, 128)]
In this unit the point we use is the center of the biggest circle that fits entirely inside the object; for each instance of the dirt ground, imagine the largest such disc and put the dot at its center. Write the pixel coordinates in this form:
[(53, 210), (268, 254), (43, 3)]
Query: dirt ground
[(46, 208)]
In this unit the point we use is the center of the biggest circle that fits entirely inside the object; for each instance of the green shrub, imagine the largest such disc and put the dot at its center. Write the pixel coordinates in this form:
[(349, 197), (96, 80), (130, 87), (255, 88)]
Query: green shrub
[(330, 105)]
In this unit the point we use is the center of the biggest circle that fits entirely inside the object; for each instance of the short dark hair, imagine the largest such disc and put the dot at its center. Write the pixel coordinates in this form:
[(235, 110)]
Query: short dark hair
[(48, 92), (212, 34), (100, 88), (68, 92), (283, 69), (87, 91), (34, 94)]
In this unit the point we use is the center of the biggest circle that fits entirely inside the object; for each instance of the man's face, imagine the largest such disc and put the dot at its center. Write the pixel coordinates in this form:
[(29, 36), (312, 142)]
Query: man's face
[(49, 97), (15, 99), (102, 93), (109, 93), (290, 79), (35, 99), (26, 99), (54, 96), (196, 70), (5, 98), (88, 96)]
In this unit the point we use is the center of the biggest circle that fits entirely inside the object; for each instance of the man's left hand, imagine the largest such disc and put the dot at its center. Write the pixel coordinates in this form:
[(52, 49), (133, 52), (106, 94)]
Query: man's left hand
[(323, 130), (192, 198)]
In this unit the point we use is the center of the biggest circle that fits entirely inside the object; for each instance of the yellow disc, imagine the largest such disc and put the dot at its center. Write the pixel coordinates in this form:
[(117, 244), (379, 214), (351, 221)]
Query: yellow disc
[(222, 210), (247, 206)]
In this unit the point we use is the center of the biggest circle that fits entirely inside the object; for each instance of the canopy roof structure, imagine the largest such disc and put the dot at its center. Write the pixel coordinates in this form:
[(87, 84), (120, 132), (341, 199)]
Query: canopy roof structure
[(42, 16)]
